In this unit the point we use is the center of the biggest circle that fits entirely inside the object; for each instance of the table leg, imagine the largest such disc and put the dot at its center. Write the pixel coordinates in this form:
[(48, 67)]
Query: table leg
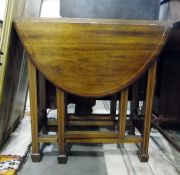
[(32, 74), (62, 158), (113, 103), (122, 113), (143, 155), (134, 106)]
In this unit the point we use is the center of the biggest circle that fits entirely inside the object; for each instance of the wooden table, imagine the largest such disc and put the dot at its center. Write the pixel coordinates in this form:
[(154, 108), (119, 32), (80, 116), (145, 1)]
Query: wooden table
[(91, 58)]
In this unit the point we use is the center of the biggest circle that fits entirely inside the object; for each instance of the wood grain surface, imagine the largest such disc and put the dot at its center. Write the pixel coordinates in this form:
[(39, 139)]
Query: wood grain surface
[(92, 57)]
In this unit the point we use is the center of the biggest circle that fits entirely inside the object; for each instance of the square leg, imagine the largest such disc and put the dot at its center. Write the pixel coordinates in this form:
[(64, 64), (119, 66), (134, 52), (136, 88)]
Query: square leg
[(32, 74), (143, 157), (36, 157), (148, 114), (62, 158), (134, 107)]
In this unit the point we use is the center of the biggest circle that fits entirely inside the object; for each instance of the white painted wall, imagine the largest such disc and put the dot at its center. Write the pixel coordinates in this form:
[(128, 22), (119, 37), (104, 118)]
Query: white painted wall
[(51, 9), (2, 8)]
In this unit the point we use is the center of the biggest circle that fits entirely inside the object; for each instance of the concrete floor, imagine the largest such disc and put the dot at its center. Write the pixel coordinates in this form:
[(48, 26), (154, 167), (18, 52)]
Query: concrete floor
[(86, 159), (107, 159)]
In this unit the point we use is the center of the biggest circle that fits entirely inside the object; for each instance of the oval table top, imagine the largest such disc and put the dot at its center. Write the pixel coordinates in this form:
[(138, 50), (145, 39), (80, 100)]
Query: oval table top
[(91, 57)]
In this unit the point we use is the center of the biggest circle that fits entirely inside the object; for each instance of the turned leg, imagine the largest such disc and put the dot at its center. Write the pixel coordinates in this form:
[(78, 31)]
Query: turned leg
[(148, 113), (62, 158), (32, 74)]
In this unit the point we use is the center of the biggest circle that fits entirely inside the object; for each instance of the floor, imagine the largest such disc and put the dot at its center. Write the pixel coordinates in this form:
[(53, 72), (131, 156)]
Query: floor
[(106, 159), (109, 160)]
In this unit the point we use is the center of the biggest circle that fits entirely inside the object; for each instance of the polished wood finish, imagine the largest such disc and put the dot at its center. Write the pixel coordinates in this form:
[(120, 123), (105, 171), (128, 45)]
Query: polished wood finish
[(132, 139), (91, 120), (128, 139), (83, 122), (70, 48), (90, 134), (90, 123), (100, 117), (94, 140), (92, 58), (148, 112), (32, 73), (48, 138), (61, 125), (122, 113)]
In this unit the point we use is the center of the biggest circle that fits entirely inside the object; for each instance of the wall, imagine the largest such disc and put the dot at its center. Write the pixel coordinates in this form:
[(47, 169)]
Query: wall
[(129, 9)]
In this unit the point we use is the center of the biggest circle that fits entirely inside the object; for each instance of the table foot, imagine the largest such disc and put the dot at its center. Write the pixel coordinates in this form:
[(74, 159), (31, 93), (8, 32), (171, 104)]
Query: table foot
[(36, 157), (62, 159), (143, 157)]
